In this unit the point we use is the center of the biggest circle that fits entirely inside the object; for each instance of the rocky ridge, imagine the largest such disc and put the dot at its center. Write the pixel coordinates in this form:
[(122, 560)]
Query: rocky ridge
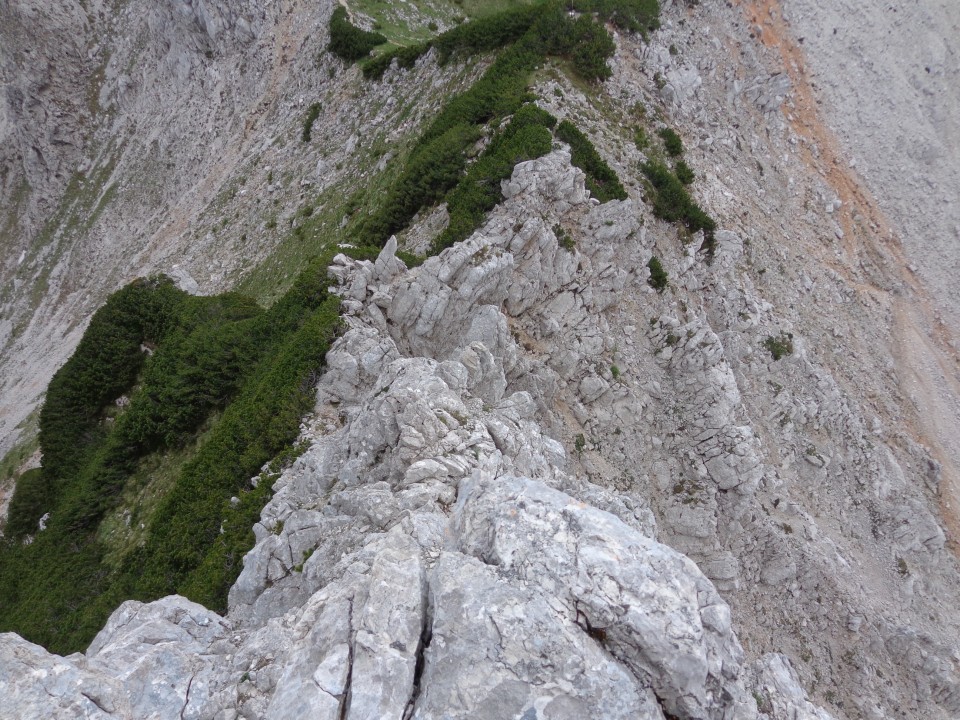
[(96, 192), (799, 486), (434, 553)]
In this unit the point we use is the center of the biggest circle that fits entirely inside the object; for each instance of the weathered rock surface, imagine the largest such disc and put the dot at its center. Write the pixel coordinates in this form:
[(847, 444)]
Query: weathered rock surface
[(96, 192), (514, 443), (432, 555)]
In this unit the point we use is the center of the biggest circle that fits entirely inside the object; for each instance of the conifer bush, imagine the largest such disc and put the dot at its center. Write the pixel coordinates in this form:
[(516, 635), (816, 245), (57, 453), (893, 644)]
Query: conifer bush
[(671, 142), (658, 276), (349, 42), (602, 181), (684, 172), (672, 202)]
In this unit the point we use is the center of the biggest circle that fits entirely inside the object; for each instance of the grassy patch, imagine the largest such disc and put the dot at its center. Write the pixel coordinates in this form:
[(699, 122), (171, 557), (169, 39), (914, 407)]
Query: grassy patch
[(406, 24), (19, 453), (127, 525)]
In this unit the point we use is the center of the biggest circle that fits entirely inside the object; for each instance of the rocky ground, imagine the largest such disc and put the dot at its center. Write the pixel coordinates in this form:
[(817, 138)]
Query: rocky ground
[(431, 555), (515, 442), (887, 86), (98, 192)]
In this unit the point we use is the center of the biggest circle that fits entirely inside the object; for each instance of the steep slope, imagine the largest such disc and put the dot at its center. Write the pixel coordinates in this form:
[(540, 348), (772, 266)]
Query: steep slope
[(513, 442), (96, 191), (416, 562)]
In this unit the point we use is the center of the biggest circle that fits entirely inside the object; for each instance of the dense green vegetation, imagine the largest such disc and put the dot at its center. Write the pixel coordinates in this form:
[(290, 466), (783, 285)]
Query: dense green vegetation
[(223, 355), (349, 42), (221, 383), (602, 181), (672, 202), (104, 365)]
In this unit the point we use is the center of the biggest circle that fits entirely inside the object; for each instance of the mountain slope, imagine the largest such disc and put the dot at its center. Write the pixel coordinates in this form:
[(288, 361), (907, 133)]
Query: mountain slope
[(549, 410)]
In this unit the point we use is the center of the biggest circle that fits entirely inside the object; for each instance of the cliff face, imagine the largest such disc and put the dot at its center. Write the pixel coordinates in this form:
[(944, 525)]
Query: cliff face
[(534, 486)]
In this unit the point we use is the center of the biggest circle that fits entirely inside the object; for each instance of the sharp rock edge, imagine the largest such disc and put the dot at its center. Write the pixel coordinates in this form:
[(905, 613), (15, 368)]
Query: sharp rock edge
[(797, 487), (455, 566)]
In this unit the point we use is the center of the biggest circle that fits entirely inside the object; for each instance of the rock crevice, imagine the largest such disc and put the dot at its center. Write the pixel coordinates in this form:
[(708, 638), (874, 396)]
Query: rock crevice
[(435, 554)]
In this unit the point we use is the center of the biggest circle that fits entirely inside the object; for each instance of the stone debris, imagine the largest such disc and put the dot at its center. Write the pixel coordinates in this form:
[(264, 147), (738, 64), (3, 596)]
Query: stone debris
[(535, 486), (434, 556)]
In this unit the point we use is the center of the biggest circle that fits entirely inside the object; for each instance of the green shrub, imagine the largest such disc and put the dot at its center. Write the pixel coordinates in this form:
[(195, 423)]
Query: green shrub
[(349, 42), (432, 169), (543, 28), (579, 443), (671, 141), (406, 57), (672, 202), (487, 33), (602, 181), (313, 112), (779, 346), (527, 136), (594, 47), (658, 276), (436, 163), (477, 36), (583, 41), (683, 172)]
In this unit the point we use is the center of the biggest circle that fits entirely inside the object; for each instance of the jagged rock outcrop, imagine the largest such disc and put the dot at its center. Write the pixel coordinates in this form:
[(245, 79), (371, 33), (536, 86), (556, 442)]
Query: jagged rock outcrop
[(513, 443), (434, 554), (96, 191)]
